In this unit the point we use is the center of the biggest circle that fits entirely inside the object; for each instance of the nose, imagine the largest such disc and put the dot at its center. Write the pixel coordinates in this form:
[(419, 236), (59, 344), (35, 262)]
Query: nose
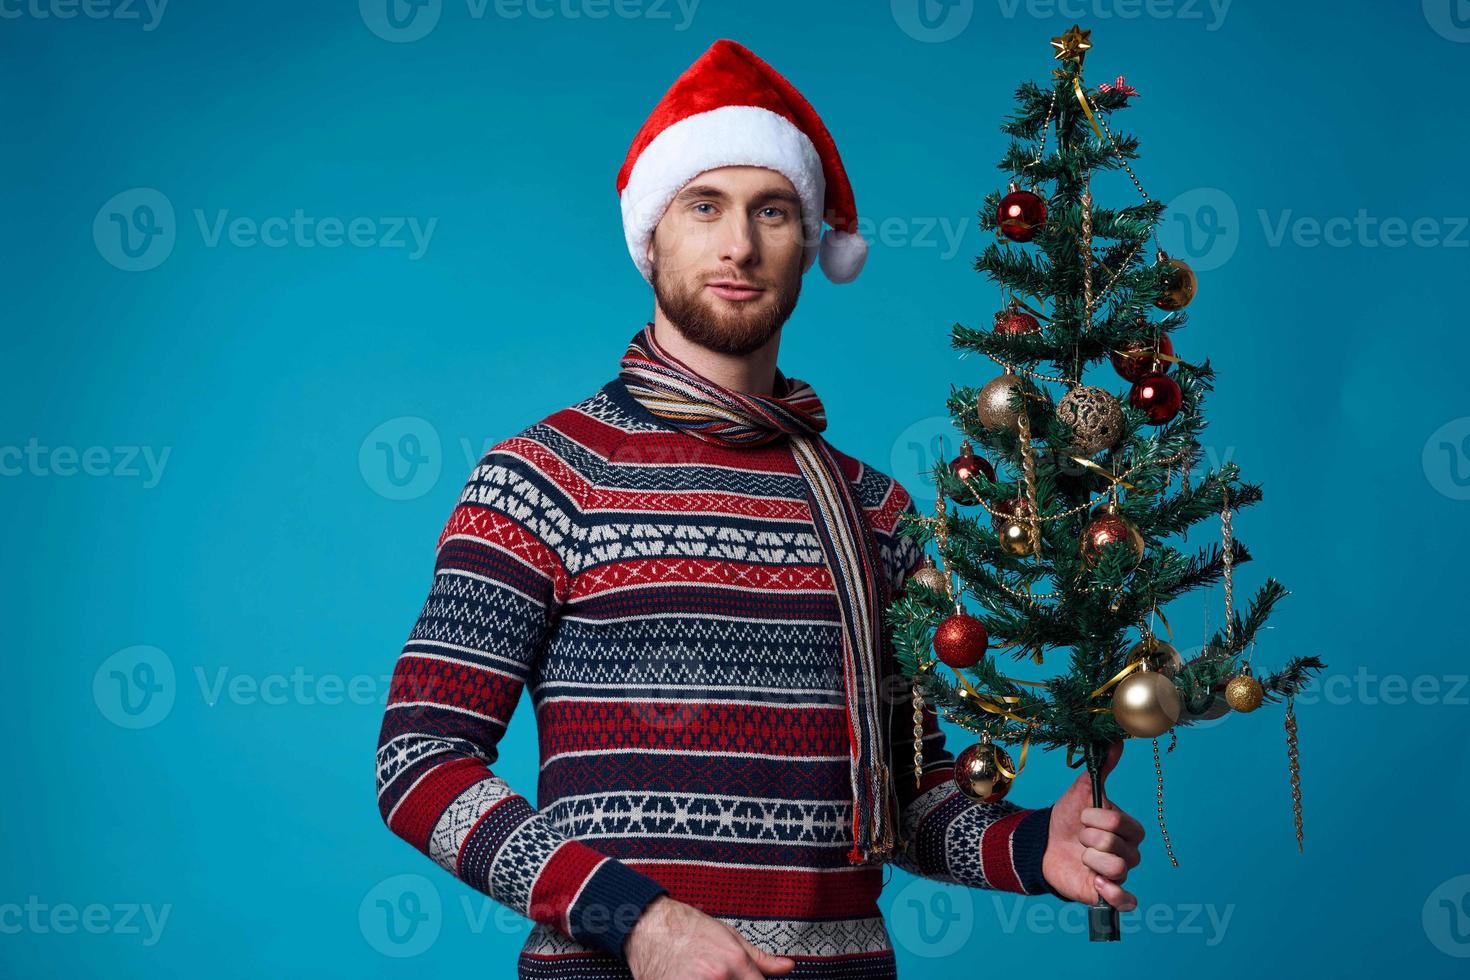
[(738, 246)]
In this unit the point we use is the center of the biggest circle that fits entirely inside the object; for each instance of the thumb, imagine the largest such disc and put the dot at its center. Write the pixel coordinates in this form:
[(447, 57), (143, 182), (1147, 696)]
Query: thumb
[(766, 962)]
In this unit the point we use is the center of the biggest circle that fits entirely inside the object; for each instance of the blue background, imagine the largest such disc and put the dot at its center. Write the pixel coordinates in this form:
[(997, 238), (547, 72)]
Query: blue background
[(280, 549)]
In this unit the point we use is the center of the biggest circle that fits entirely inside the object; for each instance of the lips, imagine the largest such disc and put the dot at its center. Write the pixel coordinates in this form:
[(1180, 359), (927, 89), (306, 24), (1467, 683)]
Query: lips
[(733, 289)]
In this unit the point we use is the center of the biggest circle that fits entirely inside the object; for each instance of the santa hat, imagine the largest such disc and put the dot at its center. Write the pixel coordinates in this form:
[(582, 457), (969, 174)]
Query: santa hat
[(730, 108)]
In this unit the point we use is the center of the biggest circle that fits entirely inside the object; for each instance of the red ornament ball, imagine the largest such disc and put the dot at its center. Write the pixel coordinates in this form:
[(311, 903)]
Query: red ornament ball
[(1014, 320), (1133, 362), (1157, 396), (967, 464), (960, 640), (1021, 215), (1109, 527)]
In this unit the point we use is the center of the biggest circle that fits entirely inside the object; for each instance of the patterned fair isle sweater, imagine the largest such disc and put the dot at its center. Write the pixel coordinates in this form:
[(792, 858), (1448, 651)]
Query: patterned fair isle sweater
[(668, 605)]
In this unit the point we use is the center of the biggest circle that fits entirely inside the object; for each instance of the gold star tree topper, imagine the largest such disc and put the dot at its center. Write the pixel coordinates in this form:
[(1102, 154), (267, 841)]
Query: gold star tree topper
[(1073, 45)]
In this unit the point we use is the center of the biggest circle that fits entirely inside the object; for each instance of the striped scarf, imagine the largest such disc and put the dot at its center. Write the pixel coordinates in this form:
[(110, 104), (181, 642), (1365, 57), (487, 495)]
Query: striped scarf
[(674, 392)]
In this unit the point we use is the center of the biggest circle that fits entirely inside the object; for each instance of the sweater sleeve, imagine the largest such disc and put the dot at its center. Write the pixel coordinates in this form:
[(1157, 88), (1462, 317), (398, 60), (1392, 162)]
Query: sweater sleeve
[(500, 579), (952, 838)]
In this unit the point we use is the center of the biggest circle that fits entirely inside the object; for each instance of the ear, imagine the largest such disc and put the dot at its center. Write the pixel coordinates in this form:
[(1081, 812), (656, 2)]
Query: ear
[(648, 250)]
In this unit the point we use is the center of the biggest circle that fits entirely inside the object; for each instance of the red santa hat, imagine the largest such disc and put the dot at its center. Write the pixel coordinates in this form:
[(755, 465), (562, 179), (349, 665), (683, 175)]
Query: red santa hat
[(730, 108)]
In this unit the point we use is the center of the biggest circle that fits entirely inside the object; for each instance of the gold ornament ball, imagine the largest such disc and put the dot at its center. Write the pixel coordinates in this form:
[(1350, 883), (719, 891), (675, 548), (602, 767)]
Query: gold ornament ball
[(1146, 704), (995, 399), (931, 577), (978, 772), (1015, 538), (1179, 284), (1244, 693), (1095, 417), (1107, 526), (1159, 656)]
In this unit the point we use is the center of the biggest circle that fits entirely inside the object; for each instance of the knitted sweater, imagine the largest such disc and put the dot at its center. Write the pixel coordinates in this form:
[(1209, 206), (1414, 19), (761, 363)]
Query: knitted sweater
[(667, 602)]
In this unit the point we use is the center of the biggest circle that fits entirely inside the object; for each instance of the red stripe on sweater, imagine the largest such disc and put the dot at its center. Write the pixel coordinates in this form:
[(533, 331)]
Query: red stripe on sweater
[(554, 890), (491, 527), (704, 571), (661, 446), (419, 811), (454, 684), (692, 726), (995, 853)]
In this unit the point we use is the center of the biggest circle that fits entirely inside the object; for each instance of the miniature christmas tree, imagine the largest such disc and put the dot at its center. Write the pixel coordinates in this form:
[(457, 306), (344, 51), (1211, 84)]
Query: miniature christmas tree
[(1063, 516)]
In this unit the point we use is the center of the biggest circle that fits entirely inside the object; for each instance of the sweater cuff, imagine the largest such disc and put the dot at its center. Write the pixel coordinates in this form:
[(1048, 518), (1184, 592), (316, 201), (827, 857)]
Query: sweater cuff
[(609, 906), (1028, 847)]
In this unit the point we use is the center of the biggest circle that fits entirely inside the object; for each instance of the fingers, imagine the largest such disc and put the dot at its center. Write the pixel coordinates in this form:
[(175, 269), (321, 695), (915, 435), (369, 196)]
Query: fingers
[(765, 963), (1115, 895), (1101, 840), (1114, 821), (1108, 865)]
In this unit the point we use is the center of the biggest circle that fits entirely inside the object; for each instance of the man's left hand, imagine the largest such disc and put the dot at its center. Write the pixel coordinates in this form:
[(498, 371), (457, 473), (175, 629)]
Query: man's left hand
[(1091, 848)]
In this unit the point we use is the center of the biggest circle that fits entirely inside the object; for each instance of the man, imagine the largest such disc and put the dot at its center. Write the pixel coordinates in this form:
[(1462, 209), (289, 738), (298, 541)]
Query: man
[(691, 580)]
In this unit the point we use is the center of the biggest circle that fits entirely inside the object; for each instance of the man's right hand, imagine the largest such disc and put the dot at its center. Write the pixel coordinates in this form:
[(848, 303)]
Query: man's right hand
[(674, 941)]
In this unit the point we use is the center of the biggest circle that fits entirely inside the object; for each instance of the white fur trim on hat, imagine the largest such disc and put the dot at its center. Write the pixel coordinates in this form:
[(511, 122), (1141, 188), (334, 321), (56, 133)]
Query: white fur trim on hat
[(730, 136), (842, 255)]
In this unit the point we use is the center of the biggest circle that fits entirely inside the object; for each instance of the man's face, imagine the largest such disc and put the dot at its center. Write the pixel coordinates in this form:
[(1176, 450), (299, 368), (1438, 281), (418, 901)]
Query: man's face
[(727, 258)]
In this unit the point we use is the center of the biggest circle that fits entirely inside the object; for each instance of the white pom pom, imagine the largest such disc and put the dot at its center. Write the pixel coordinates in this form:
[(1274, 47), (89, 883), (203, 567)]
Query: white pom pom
[(842, 255)]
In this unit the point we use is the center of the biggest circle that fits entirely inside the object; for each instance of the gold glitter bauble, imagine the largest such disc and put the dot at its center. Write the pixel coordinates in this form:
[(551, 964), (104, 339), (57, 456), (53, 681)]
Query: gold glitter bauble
[(1179, 283), (977, 772), (1095, 416), (1015, 538), (1244, 693), (1159, 655), (1146, 704), (995, 400), (931, 577)]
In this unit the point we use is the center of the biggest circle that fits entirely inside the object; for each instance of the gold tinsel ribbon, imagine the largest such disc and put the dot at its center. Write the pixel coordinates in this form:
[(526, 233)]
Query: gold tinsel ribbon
[(1086, 107), (990, 703), (1028, 308), (1109, 684), (1088, 464), (1154, 355)]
